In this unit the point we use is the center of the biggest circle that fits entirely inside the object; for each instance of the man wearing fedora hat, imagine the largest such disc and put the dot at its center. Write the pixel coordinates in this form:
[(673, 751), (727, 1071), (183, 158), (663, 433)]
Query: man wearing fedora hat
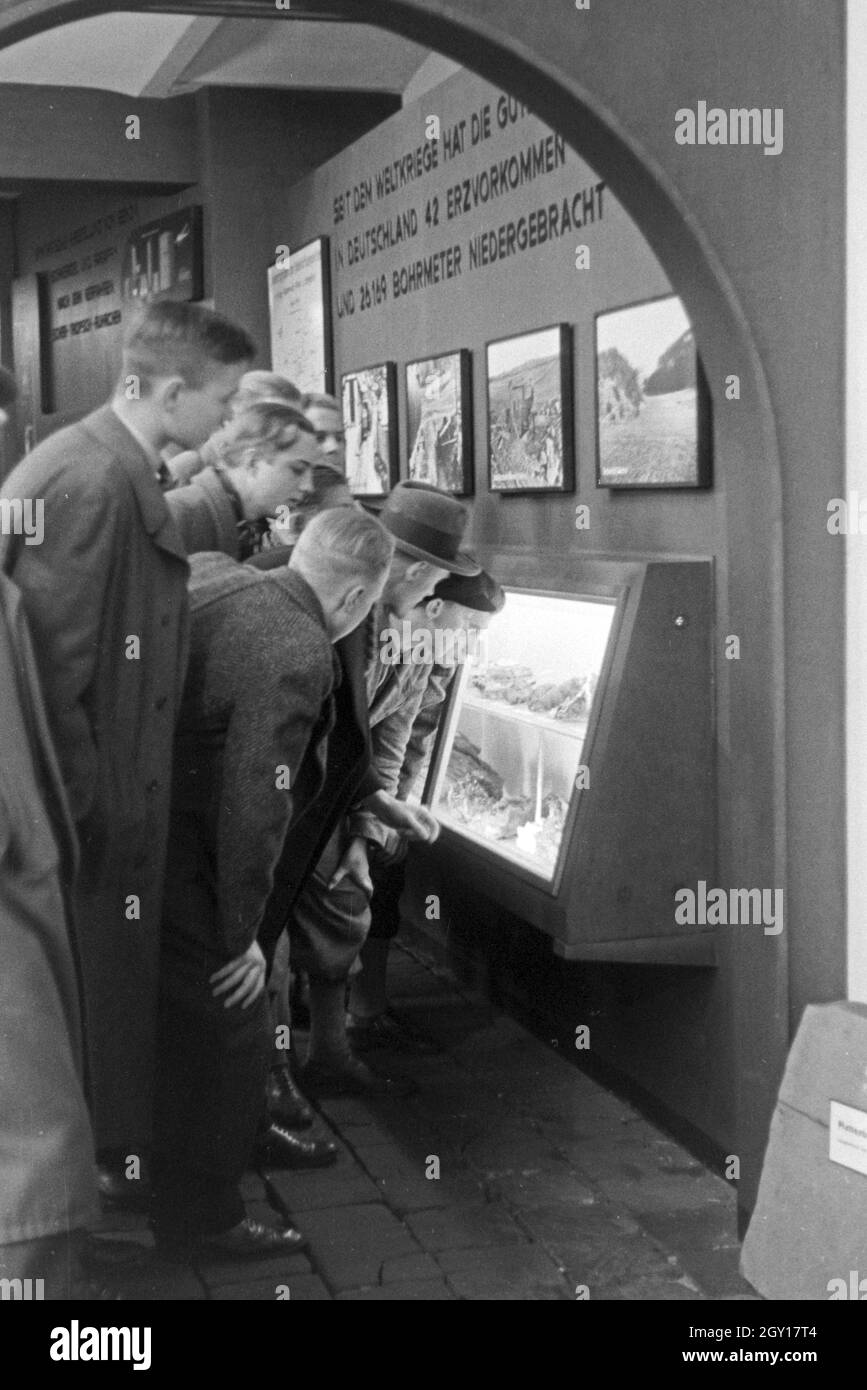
[(325, 927)]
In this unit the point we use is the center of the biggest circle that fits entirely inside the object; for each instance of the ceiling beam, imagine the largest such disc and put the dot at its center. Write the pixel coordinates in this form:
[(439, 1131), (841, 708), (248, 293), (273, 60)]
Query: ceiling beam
[(76, 133), (164, 81)]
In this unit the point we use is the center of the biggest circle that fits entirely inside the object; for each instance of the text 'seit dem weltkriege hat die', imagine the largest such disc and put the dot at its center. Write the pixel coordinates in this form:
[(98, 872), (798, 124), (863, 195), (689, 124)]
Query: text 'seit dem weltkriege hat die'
[(430, 525)]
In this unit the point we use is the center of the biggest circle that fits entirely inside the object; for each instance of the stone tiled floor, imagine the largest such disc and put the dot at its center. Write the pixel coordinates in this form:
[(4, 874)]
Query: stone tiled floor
[(547, 1184)]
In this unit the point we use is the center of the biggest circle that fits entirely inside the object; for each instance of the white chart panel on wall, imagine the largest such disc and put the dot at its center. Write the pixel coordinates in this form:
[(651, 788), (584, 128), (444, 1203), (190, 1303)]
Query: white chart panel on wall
[(299, 306)]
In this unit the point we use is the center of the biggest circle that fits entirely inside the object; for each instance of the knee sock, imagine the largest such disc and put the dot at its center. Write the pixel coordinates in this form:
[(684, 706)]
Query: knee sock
[(328, 1041), (369, 997)]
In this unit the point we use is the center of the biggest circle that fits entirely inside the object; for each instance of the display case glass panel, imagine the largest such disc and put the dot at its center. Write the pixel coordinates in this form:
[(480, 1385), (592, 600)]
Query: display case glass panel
[(507, 772)]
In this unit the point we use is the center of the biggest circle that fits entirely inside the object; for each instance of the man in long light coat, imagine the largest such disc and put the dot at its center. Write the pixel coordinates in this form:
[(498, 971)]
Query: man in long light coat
[(105, 595)]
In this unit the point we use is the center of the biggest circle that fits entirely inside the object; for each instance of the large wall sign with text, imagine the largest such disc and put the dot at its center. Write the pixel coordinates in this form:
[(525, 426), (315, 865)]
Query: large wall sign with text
[(81, 312), (464, 220)]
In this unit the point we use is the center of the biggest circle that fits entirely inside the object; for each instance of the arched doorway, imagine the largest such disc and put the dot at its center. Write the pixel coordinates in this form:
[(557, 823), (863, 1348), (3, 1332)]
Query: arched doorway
[(752, 814)]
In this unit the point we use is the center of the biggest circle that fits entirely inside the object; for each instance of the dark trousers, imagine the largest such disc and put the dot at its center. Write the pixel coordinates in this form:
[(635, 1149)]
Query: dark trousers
[(212, 1066), (388, 884)]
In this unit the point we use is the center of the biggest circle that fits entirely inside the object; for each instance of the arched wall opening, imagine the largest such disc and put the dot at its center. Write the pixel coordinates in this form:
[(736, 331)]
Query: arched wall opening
[(751, 711)]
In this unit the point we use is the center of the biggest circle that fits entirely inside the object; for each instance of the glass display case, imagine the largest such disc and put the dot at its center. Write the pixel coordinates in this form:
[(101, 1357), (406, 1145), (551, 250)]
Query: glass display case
[(509, 767), (574, 766)]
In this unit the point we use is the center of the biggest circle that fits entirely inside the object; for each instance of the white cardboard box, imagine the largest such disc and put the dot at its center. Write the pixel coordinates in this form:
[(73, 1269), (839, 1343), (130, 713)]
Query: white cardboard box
[(809, 1228)]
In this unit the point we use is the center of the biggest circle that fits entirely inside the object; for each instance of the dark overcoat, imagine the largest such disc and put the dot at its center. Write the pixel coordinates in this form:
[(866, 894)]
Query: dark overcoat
[(47, 1175), (203, 513), (348, 775), (106, 597)]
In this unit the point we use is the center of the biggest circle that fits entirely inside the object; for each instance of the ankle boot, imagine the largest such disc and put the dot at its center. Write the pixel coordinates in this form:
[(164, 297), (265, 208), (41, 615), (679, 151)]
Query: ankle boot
[(285, 1102)]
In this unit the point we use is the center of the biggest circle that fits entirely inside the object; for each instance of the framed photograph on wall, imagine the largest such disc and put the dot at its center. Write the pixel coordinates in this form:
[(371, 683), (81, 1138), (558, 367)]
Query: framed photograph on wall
[(299, 304), (530, 419), (369, 399), (440, 421), (652, 402), (165, 259)]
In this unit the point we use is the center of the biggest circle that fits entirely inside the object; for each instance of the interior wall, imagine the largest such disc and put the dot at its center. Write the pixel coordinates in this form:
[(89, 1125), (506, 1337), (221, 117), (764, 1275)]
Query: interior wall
[(45, 222), (78, 133), (526, 291), (685, 1053), (755, 245), (249, 144), (254, 146)]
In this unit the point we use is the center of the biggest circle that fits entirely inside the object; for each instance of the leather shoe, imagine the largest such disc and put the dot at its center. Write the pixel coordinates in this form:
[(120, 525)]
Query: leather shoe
[(118, 1192), (285, 1102), (249, 1240), (277, 1147), (352, 1077)]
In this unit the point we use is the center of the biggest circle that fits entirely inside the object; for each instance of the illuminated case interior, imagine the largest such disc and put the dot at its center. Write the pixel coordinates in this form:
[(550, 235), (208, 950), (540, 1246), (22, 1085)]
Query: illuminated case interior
[(509, 769)]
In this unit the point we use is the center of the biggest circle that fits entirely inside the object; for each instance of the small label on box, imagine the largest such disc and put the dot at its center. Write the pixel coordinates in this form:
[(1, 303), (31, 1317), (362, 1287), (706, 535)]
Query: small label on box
[(848, 1136)]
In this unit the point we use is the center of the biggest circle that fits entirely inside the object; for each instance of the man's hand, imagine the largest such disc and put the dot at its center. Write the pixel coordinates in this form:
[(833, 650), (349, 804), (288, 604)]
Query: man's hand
[(415, 822), (393, 849), (353, 865), (247, 972)]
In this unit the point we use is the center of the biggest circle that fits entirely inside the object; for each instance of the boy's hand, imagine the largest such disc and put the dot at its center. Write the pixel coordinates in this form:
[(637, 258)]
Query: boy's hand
[(415, 822)]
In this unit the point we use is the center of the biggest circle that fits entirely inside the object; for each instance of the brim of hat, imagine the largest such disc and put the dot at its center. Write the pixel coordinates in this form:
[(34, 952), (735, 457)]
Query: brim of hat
[(462, 563)]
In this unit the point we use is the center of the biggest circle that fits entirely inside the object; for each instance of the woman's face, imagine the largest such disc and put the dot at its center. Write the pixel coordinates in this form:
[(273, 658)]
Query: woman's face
[(281, 473)]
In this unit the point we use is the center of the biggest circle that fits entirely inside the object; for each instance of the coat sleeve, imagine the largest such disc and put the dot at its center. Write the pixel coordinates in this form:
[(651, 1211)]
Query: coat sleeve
[(206, 520), (184, 467), (64, 583), (277, 706), (389, 738), (424, 731), (403, 738)]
